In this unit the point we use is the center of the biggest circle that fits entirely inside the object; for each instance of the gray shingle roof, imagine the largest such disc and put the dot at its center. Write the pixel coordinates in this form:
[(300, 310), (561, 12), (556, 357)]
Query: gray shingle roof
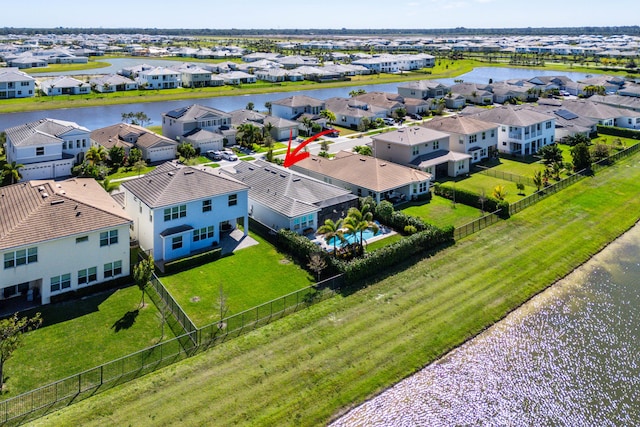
[(41, 132), (169, 185)]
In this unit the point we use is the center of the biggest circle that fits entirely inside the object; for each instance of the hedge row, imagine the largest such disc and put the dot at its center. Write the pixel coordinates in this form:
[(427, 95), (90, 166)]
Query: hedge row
[(472, 199), (617, 131), (398, 220), (182, 264)]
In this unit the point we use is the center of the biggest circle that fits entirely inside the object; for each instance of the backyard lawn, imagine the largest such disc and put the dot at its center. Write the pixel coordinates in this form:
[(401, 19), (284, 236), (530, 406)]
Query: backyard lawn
[(81, 334), (478, 183), (442, 212), (250, 277)]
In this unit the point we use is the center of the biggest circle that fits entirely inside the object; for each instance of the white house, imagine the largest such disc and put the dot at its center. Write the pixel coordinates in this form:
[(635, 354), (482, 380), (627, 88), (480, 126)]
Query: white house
[(186, 120), (58, 237), (178, 211), (521, 131), (158, 78), (16, 84), (47, 148), (64, 85), (112, 83), (293, 106)]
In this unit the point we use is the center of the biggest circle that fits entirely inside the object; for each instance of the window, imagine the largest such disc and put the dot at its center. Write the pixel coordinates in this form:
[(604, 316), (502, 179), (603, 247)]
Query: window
[(233, 199), (473, 138), (175, 212), (484, 135), (176, 242), (87, 275), (20, 257), (548, 125), (39, 151), (493, 133), (423, 187), (296, 223), (82, 239), (203, 233), (109, 238), (207, 205), (61, 282), (436, 145), (416, 150), (504, 128), (112, 269), (310, 220), (461, 140)]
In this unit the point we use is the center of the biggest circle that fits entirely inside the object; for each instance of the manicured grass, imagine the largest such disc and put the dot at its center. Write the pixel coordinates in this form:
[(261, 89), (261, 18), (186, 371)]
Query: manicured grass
[(442, 212), (56, 68), (125, 173), (377, 244), (250, 277), (479, 183), (78, 335), (311, 366), (525, 167)]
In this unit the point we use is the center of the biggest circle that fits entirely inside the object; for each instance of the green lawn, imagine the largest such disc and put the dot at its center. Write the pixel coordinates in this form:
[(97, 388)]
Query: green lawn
[(479, 183), (126, 173), (525, 167), (250, 277), (78, 335), (377, 244), (313, 365), (442, 212)]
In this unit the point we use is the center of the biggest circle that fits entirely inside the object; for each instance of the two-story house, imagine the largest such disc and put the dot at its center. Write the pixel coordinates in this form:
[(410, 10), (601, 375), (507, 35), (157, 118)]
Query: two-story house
[(521, 131), (158, 78), (155, 148), (423, 89), (47, 148), (16, 84), (61, 236), (421, 148), (475, 137), (177, 211), (189, 120), (292, 107)]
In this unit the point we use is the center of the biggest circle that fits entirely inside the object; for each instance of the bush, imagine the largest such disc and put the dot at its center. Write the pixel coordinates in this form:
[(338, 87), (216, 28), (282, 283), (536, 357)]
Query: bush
[(182, 264), (617, 131)]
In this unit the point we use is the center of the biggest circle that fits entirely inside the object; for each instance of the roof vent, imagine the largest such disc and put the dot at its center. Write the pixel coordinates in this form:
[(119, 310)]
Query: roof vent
[(56, 202), (188, 172), (170, 174), (41, 188)]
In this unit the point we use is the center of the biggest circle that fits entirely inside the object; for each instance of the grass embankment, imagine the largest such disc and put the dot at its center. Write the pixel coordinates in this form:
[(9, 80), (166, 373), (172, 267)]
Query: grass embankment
[(306, 368)]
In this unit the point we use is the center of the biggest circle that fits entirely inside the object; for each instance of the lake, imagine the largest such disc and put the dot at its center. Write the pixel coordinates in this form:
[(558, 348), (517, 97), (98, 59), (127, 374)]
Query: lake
[(567, 357), (98, 117)]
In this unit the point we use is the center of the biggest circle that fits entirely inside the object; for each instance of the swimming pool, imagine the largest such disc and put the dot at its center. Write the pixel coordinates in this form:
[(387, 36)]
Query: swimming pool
[(353, 238)]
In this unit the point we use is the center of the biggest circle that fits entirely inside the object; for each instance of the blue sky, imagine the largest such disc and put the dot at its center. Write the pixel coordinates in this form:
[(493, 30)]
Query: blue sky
[(354, 14)]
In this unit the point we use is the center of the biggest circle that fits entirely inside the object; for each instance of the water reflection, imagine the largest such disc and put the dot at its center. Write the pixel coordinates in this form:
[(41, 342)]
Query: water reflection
[(568, 357)]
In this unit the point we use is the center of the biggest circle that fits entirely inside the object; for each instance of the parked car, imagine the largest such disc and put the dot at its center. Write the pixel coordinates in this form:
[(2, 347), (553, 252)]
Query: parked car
[(415, 116), (388, 121), (214, 155), (228, 155), (334, 132)]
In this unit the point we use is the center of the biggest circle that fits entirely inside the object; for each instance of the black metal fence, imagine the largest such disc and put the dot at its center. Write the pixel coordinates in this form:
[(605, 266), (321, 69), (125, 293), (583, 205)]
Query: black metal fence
[(475, 225), (172, 305), (525, 202), (507, 176)]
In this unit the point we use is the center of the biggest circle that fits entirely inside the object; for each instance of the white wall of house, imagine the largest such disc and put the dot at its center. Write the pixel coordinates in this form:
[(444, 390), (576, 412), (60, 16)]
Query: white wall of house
[(68, 255), (477, 145), (159, 154), (47, 170), (628, 122), (525, 140)]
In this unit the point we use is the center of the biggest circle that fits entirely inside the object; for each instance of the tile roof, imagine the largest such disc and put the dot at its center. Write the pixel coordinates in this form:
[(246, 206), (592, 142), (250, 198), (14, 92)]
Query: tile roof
[(363, 171), (41, 132), (461, 125), (287, 192), (512, 116), (196, 112), (170, 185), (299, 101), (411, 135), (38, 211)]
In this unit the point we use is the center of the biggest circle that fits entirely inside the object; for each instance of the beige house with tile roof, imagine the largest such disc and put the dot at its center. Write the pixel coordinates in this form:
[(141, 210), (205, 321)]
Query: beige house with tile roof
[(155, 148), (58, 237), (367, 176)]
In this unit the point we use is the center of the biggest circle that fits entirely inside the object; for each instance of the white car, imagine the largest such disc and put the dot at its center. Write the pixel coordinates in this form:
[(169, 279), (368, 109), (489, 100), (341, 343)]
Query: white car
[(228, 155)]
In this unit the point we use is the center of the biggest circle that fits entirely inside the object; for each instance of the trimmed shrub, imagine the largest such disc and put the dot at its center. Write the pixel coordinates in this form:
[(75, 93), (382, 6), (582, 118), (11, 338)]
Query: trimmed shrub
[(182, 264), (618, 131)]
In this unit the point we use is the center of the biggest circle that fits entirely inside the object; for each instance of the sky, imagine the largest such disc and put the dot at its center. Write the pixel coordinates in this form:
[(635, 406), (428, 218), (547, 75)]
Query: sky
[(325, 14)]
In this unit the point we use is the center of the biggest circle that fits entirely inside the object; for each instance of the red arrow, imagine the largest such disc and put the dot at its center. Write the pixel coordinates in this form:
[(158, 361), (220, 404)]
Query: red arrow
[(292, 158)]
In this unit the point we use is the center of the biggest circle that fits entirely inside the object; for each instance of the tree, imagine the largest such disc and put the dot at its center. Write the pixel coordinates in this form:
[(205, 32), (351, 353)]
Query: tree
[(135, 155), (108, 185), (316, 264), (139, 166), (358, 221), (12, 171), (399, 113), (186, 150), (11, 332), (268, 106), (550, 154), (520, 187), (537, 179), (139, 118), (332, 230), (363, 150), (577, 139), (249, 135), (96, 155), (355, 92), (250, 106), (308, 124), (581, 157), (116, 156), (328, 115), (142, 273), (600, 152), (222, 304), (499, 192)]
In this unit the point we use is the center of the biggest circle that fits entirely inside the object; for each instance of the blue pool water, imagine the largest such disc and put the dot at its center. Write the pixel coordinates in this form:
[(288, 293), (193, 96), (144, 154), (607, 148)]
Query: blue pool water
[(353, 238)]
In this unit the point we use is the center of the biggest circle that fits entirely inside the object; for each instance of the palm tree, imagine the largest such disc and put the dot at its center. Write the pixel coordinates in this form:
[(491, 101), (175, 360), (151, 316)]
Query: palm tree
[(329, 115), (96, 155), (12, 170), (499, 192), (268, 106), (308, 124), (358, 221), (332, 230), (249, 134), (108, 185)]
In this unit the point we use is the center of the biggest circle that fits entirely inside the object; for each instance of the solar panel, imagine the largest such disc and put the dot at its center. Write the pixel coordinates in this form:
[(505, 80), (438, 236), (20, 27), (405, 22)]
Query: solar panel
[(566, 114)]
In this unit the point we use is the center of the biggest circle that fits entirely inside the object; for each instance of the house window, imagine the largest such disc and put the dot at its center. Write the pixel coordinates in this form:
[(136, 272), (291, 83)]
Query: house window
[(20, 257), (61, 282), (82, 239), (416, 150), (423, 187), (484, 135), (175, 212), (112, 269), (296, 223), (64, 145), (108, 238), (39, 151), (207, 205), (87, 275), (436, 145), (77, 143), (493, 133), (473, 138), (504, 128), (176, 242), (548, 125), (203, 233), (460, 140), (310, 220), (233, 199)]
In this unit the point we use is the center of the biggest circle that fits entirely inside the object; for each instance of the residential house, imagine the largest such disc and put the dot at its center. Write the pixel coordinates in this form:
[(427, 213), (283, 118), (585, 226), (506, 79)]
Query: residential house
[(423, 89), (568, 124), (158, 78), (187, 120), (280, 129), (351, 113), (58, 237), (280, 198), (64, 85), (474, 93), (618, 101), (112, 83), (367, 176), (292, 107), (389, 102), (475, 137), (521, 131), (605, 115), (47, 148), (421, 148), (16, 84), (178, 211), (193, 76), (237, 78), (155, 148)]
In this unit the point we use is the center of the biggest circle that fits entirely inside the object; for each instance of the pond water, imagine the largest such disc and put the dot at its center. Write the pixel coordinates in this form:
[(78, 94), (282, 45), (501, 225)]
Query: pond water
[(569, 357), (98, 117)]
